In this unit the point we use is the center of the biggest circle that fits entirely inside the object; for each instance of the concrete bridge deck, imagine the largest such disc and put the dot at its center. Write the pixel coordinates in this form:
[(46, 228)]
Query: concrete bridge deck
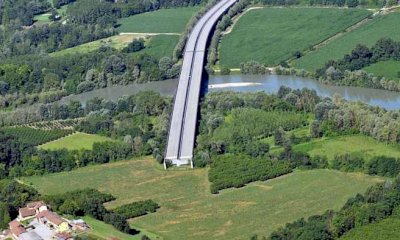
[(183, 123)]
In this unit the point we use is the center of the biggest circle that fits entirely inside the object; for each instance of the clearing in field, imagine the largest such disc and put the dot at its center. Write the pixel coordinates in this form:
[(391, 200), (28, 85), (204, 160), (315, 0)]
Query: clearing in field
[(388, 69), (75, 141), (271, 35), (44, 17), (367, 34), (188, 209), (387, 229), (363, 145), (172, 20)]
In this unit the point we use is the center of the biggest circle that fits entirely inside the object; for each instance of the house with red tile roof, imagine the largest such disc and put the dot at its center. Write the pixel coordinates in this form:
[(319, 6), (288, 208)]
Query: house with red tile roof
[(25, 213), (16, 229), (31, 210), (63, 236), (52, 220)]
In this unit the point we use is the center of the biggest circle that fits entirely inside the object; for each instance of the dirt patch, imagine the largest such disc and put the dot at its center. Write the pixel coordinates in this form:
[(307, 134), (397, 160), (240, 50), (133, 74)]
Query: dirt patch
[(262, 186), (169, 223), (223, 230), (244, 204)]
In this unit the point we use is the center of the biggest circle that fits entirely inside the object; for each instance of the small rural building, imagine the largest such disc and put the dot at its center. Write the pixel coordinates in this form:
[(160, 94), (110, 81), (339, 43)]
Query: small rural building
[(79, 224), (39, 206), (25, 213), (52, 220), (31, 210), (63, 236), (30, 235), (16, 229)]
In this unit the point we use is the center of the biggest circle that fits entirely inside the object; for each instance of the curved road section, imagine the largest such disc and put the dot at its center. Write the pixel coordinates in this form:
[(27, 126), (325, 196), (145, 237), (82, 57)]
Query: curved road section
[(184, 116)]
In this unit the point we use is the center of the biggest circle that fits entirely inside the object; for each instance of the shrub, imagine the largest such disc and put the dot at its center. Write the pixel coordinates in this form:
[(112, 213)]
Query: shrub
[(137, 209)]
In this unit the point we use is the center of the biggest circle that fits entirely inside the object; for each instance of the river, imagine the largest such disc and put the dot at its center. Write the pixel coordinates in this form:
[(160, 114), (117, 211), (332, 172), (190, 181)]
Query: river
[(252, 83)]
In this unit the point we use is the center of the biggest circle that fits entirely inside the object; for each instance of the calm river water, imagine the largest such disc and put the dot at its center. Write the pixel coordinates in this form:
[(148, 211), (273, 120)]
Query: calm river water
[(268, 83)]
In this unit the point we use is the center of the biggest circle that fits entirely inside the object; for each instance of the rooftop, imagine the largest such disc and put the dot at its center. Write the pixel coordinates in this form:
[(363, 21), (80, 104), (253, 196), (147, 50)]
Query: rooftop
[(51, 217)]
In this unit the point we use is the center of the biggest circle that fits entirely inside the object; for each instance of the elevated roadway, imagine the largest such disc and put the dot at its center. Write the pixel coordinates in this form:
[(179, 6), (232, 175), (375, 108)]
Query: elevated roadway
[(182, 132)]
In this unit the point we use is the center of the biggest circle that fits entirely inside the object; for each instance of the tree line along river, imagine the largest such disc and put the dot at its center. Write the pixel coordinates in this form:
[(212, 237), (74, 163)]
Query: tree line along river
[(251, 83)]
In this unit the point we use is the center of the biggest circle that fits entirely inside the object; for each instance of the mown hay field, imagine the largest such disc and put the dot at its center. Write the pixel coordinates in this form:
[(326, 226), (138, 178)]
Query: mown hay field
[(188, 209)]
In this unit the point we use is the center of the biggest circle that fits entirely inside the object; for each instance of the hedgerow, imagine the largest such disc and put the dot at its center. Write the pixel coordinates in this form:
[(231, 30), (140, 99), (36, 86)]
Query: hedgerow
[(237, 170)]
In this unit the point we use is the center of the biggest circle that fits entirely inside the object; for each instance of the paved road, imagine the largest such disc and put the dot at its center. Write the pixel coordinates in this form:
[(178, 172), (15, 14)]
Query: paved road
[(184, 116)]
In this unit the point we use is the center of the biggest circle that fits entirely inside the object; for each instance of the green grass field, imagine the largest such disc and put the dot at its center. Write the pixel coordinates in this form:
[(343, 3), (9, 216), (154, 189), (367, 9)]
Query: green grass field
[(367, 34), (270, 35), (161, 21), (387, 229), (157, 46), (388, 69), (75, 142), (188, 209), (117, 42), (160, 46), (105, 231), (42, 19), (363, 145)]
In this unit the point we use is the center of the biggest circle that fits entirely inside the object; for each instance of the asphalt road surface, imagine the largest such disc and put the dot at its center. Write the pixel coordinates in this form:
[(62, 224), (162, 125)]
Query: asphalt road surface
[(184, 116)]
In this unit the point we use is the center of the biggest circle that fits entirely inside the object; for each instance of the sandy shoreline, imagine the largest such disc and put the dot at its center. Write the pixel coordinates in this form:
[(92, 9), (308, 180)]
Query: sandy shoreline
[(226, 85)]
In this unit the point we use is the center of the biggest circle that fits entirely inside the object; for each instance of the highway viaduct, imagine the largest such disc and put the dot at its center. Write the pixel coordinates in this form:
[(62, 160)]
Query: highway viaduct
[(182, 131)]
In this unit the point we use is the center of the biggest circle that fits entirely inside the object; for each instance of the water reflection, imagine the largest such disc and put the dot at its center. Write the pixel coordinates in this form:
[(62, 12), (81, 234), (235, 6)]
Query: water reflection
[(271, 83), (166, 87), (268, 83)]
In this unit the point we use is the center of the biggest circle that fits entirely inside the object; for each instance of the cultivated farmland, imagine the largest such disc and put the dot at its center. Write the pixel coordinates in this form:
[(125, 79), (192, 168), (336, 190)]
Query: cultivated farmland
[(271, 35), (160, 46), (160, 21), (36, 136), (188, 209), (367, 34)]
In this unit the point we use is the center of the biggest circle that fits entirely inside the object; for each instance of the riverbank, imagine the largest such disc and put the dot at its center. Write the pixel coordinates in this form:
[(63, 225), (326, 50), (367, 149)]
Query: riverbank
[(251, 83)]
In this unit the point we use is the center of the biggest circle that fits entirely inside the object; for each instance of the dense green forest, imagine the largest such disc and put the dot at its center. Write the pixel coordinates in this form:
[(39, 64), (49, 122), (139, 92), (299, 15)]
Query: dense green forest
[(28, 74)]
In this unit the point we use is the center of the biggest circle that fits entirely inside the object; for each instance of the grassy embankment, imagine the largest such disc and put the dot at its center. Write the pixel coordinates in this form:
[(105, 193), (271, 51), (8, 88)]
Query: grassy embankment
[(188, 209), (75, 141), (388, 69), (367, 34), (270, 35)]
